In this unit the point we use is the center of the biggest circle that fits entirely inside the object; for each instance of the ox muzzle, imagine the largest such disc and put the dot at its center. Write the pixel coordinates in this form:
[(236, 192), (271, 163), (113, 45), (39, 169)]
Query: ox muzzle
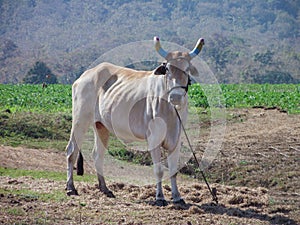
[(177, 94)]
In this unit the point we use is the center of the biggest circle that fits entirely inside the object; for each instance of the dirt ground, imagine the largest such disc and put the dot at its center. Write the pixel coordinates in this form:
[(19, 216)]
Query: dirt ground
[(256, 174)]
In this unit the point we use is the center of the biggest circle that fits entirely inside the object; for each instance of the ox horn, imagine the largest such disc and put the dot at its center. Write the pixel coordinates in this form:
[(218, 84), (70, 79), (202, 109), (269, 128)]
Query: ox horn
[(197, 48), (158, 47)]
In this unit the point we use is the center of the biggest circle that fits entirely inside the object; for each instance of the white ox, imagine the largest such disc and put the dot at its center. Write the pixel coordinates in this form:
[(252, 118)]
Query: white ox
[(133, 105)]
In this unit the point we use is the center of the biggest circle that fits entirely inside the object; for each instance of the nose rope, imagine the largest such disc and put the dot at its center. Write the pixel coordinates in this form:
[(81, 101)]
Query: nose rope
[(182, 87)]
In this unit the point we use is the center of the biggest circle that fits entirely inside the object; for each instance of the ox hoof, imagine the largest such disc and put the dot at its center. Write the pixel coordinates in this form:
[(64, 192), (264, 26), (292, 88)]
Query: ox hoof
[(180, 202), (161, 202), (72, 192), (109, 194)]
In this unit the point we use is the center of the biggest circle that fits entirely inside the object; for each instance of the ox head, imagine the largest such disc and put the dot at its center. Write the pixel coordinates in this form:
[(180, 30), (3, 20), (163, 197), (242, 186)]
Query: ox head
[(177, 69)]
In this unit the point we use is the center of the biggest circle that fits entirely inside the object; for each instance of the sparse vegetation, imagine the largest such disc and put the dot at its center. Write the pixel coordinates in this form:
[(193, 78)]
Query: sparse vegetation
[(36, 130), (36, 174)]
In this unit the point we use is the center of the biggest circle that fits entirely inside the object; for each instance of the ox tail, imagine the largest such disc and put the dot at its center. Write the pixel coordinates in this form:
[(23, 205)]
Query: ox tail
[(80, 170)]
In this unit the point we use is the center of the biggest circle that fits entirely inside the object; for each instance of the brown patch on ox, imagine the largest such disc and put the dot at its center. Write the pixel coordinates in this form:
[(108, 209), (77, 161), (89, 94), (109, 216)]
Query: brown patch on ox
[(132, 74), (102, 132), (99, 125)]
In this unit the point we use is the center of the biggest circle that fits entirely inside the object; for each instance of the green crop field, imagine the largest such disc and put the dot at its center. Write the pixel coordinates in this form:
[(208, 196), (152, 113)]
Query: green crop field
[(35, 98), (285, 97), (57, 98)]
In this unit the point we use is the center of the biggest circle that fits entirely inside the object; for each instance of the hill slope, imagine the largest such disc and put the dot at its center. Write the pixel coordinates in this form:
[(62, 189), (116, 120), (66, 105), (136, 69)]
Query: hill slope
[(245, 41)]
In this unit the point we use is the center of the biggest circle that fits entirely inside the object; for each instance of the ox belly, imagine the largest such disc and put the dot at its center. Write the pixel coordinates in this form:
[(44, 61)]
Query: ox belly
[(124, 114), (142, 121), (127, 123)]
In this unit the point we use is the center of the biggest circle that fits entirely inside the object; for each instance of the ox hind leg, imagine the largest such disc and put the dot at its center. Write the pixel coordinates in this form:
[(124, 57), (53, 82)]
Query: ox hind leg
[(101, 141), (73, 147)]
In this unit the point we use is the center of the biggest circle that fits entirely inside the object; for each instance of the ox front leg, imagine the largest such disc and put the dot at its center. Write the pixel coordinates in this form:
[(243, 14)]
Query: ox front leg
[(173, 161), (158, 171)]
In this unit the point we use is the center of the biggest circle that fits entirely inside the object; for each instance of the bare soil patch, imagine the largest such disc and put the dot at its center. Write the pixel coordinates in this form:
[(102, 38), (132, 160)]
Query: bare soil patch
[(256, 174)]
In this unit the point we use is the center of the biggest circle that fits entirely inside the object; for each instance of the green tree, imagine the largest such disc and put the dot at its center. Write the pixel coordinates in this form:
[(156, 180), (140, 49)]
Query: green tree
[(39, 74)]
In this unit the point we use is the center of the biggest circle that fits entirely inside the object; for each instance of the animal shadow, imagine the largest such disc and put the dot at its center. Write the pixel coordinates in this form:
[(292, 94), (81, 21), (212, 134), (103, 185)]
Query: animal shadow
[(221, 209), (247, 213)]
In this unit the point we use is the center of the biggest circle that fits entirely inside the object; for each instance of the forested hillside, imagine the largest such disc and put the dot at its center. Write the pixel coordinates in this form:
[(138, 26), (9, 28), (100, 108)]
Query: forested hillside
[(246, 41)]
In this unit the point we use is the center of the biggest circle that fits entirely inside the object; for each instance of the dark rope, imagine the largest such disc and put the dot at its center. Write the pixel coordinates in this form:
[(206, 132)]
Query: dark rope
[(212, 191)]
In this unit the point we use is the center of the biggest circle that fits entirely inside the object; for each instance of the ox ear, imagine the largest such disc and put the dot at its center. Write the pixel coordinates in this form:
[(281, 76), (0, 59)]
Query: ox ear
[(161, 70), (193, 71)]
